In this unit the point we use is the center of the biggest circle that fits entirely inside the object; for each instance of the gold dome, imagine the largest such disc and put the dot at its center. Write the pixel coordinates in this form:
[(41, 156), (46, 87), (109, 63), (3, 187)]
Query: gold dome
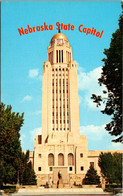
[(59, 36)]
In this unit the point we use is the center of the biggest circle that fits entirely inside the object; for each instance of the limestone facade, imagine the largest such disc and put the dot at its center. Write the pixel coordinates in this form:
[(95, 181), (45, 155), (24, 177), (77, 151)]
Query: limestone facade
[(61, 147)]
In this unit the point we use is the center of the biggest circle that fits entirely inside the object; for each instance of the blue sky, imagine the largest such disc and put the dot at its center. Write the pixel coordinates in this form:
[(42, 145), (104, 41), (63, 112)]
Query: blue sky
[(22, 59)]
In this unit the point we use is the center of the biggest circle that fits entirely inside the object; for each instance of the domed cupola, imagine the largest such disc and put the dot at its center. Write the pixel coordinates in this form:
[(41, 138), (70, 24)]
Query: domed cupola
[(59, 51), (59, 39)]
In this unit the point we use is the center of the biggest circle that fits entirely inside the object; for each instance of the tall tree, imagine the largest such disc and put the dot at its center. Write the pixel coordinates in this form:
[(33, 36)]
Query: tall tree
[(14, 164), (10, 148), (111, 77), (26, 173), (111, 167), (91, 177)]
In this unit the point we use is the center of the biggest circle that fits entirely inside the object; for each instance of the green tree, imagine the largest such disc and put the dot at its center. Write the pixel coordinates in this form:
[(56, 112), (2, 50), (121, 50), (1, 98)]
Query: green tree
[(10, 148), (14, 163), (91, 177), (26, 173), (111, 77), (111, 167)]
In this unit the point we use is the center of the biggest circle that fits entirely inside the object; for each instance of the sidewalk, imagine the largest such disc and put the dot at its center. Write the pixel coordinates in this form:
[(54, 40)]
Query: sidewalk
[(63, 191)]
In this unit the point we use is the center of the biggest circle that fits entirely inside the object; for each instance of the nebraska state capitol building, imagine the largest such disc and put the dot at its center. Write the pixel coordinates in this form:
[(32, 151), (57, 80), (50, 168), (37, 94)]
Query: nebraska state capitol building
[(61, 147)]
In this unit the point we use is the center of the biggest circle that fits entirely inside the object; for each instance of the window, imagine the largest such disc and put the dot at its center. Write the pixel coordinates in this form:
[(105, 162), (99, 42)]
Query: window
[(57, 56), (39, 155), (92, 164), (81, 155), (39, 139), (60, 159), (62, 56), (70, 159), (50, 159), (82, 168), (39, 168), (70, 168), (50, 169)]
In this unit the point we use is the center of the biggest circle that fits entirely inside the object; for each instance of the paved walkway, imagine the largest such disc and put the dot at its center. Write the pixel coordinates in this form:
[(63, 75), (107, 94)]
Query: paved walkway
[(78, 191)]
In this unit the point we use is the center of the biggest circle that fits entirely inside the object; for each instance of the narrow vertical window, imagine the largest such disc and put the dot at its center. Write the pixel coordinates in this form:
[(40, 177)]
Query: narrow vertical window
[(62, 56), (57, 56), (39, 139)]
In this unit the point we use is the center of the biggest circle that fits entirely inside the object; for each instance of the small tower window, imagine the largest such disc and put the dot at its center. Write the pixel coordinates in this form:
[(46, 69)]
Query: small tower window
[(92, 164), (50, 169), (39, 139), (39, 168), (70, 168), (82, 168), (39, 155), (81, 155)]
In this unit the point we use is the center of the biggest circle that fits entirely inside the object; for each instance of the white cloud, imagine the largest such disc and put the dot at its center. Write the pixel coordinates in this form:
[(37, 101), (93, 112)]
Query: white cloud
[(34, 132), (88, 83), (27, 98), (33, 73), (89, 80), (115, 146), (93, 132)]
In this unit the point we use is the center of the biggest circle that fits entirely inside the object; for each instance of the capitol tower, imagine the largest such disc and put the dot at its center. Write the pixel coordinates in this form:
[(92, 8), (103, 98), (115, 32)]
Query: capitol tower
[(60, 103), (60, 147)]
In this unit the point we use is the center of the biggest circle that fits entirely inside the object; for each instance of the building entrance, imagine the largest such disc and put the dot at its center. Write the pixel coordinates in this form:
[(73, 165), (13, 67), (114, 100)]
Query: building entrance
[(64, 174)]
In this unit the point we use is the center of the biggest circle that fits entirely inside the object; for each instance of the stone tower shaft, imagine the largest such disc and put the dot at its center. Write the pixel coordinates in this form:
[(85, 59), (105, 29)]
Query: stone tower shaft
[(60, 103)]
